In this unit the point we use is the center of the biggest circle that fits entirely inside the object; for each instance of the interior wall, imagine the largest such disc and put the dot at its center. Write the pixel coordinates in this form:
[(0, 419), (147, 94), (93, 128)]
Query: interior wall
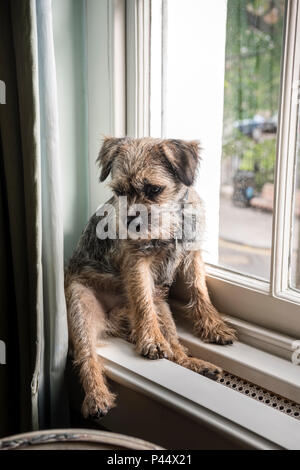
[(100, 91), (84, 82), (69, 30)]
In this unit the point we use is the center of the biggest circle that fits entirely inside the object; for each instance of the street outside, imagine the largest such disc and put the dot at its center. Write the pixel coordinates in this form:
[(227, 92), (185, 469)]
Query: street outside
[(245, 239)]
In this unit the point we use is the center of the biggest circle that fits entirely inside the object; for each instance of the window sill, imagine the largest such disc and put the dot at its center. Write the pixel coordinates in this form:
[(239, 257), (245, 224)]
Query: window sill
[(260, 356), (240, 418)]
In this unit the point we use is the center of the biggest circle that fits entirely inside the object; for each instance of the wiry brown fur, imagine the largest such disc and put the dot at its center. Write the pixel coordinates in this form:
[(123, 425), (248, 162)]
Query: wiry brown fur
[(119, 287)]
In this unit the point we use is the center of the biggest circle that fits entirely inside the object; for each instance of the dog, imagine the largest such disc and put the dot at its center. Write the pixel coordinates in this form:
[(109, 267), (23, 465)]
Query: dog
[(120, 286)]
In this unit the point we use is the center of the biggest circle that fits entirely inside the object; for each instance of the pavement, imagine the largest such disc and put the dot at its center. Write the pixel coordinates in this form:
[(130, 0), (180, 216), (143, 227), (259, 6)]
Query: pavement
[(245, 239), (247, 225)]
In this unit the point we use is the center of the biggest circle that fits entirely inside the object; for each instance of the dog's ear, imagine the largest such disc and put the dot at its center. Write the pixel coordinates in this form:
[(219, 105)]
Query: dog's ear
[(183, 158), (107, 154)]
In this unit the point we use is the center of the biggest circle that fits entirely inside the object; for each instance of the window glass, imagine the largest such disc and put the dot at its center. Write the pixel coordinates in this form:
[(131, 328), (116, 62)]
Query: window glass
[(215, 77), (251, 94), (295, 245)]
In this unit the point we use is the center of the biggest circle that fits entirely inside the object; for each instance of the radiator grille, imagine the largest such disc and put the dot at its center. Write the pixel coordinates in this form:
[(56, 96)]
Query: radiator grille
[(260, 394)]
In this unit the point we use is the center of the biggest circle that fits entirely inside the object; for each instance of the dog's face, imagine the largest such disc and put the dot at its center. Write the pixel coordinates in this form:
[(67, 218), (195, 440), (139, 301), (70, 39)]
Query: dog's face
[(149, 171)]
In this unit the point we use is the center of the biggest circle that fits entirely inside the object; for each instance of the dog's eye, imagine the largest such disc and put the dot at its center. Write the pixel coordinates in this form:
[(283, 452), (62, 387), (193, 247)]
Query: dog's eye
[(151, 190), (119, 192)]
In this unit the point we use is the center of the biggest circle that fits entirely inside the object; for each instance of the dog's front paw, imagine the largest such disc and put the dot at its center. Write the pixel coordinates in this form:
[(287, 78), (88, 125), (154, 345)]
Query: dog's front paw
[(216, 332), (155, 349), (96, 406)]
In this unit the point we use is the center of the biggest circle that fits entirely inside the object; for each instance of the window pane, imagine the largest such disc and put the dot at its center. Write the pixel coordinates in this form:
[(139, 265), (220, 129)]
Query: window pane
[(251, 94), (215, 76), (295, 248)]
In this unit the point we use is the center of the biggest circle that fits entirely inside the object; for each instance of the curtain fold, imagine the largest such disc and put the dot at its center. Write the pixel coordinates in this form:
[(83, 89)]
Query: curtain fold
[(32, 306), (20, 228), (55, 317)]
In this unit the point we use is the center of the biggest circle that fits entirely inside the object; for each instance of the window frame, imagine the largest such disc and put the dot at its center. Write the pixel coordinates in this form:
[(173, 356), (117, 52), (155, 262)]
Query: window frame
[(138, 67), (118, 101), (247, 298)]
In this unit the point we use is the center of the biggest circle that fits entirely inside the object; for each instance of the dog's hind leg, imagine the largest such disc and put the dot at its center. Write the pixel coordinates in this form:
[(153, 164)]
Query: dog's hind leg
[(86, 323)]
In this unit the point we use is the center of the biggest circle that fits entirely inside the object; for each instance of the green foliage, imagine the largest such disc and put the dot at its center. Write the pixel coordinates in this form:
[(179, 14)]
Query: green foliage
[(252, 79), (258, 157), (253, 55)]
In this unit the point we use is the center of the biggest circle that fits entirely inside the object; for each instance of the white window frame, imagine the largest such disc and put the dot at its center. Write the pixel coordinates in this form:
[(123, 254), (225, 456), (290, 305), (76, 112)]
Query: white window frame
[(273, 304), (267, 341), (138, 67), (118, 104)]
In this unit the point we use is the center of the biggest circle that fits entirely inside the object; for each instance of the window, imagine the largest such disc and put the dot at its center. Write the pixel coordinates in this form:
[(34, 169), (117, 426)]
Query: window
[(239, 140), (254, 35), (295, 242), (196, 69), (162, 68), (226, 72)]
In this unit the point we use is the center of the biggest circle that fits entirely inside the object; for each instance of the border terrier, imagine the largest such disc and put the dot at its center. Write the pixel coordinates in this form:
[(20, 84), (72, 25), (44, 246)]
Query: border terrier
[(120, 286)]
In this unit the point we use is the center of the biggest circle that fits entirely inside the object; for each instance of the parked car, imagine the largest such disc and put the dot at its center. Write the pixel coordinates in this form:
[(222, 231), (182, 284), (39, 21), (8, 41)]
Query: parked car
[(256, 126), (250, 127)]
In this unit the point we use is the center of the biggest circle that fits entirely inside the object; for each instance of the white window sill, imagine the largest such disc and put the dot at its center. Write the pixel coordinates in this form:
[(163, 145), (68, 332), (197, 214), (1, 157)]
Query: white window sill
[(262, 368), (237, 416)]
